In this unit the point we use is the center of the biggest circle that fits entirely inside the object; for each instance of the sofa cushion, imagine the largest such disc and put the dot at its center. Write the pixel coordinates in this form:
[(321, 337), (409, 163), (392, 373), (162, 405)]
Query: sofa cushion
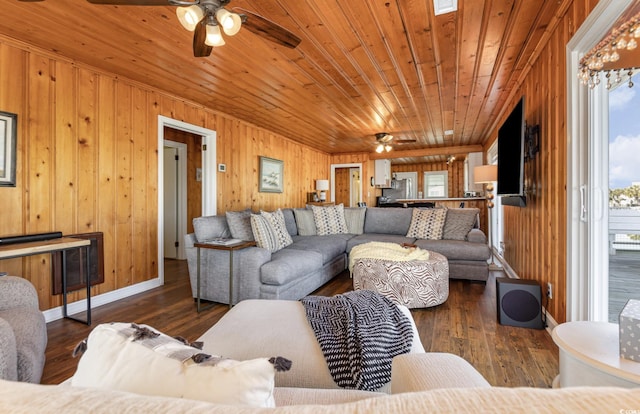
[(427, 224), (211, 227), (239, 223), (306, 223), (387, 220), (328, 246), (329, 220), (138, 359), (456, 249), (278, 227), (264, 237), (289, 264), (369, 237), (459, 223), (354, 217), (290, 221)]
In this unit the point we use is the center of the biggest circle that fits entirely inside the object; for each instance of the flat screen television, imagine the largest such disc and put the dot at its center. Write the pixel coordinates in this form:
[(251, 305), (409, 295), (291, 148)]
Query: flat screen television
[(511, 148)]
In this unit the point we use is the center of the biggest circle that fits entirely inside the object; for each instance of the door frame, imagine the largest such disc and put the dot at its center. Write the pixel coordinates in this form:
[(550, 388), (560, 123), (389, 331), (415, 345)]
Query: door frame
[(182, 194), (587, 182), (209, 176), (333, 177)]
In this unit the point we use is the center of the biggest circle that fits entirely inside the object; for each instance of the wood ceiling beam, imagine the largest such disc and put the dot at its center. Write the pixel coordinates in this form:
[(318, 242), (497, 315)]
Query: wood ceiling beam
[(426, 152)]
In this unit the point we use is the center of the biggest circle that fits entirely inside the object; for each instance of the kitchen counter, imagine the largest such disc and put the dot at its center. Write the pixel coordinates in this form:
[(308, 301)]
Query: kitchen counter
[(435, 200)]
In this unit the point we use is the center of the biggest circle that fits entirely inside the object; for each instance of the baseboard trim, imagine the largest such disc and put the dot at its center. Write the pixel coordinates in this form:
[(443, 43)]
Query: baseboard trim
[(54, 314)]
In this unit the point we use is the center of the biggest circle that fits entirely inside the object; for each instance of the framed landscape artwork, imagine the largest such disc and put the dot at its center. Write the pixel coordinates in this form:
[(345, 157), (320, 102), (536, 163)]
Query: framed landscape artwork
[(8, 149), (271, 175)]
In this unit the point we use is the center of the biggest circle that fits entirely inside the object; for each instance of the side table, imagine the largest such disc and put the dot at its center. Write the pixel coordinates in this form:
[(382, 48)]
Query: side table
[(217, 246), (590, 355), (54, 245)]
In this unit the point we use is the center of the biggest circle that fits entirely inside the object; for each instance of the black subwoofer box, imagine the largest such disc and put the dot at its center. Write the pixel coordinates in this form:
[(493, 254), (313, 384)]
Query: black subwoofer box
[(519, 303)]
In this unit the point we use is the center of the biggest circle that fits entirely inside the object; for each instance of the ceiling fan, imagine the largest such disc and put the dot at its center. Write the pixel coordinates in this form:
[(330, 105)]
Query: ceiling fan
[(384, 140), (206, 17)]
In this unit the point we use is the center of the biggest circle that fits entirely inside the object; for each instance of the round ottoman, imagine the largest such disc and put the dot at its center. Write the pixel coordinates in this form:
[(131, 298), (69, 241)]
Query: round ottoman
[(414, 284)]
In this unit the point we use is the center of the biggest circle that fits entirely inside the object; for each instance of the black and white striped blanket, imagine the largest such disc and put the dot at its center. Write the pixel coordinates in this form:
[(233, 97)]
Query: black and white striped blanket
[(359, 333)]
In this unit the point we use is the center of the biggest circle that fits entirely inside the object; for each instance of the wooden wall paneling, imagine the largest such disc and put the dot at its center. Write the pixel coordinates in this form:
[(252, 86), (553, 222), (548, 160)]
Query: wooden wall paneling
[(12, 99), (86, 142), (65, 149), (108, 178), (140, 164), (535, 236), (123, 257), (39, 166)]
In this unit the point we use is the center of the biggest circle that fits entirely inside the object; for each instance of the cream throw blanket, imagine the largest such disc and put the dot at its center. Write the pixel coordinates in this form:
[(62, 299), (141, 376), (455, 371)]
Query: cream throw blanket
[(386, 251)]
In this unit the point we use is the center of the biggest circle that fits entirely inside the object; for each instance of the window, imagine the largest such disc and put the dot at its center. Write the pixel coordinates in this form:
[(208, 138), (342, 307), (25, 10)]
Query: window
[(436, 184)]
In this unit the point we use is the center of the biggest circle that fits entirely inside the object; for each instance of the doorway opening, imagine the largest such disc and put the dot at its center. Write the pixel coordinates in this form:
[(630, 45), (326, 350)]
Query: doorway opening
[(207, 195), (346, 184)]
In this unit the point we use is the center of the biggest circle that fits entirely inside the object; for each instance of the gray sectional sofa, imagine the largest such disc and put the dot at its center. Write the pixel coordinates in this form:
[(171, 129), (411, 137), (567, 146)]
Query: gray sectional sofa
[(312, 260)]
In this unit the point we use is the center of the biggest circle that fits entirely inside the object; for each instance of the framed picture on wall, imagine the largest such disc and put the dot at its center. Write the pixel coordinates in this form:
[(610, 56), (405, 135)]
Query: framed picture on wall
[(271, 175), (8, 136)]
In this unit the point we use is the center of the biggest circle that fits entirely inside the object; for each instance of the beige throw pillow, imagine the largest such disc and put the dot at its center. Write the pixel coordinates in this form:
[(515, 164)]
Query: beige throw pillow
[(138, 359), (427, 224)]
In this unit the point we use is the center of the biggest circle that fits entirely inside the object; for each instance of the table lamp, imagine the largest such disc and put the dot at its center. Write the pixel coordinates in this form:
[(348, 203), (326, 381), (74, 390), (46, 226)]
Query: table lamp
[(487, 174), (322, 186)]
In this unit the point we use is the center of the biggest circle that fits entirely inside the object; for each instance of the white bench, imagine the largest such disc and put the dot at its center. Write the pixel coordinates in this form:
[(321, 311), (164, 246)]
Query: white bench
[(622, 221)]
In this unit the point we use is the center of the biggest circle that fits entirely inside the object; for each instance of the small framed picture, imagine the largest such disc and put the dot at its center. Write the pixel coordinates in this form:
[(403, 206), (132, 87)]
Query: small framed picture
[(271, 175), (8, 136)]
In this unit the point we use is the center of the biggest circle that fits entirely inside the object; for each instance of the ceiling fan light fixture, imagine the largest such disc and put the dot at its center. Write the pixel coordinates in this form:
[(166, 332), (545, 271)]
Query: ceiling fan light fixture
[(189, 16), (230, 22), (214, 37), (379, 148), (387, 147)]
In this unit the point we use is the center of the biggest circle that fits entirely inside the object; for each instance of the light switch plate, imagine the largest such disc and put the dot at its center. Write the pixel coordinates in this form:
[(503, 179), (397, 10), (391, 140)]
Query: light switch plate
[(222, 167)]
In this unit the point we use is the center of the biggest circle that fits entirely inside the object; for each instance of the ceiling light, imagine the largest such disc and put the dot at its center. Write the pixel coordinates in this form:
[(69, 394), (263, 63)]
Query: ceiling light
[(387, 147), (189, 16), (448, 132), (214, 37), (379, 148), (230, 22)]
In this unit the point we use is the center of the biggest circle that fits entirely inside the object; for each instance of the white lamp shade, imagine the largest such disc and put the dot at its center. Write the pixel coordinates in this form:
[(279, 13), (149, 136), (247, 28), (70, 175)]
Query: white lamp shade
[(189, 16), (322, 185), (214, 37), (230, 22), (485, 174)]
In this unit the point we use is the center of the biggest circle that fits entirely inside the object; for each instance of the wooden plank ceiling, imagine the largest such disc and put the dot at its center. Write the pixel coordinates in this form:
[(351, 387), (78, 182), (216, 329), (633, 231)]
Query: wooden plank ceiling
[(362, 67)]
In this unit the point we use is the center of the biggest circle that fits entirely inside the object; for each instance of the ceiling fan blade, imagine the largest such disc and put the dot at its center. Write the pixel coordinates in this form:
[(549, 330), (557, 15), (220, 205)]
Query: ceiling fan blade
[(268, 29), (405, 141), (132, 2), (200, 48)]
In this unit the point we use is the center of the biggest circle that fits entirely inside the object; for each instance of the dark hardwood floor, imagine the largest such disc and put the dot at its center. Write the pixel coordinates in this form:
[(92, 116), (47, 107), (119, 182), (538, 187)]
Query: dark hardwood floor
[(465, 325)]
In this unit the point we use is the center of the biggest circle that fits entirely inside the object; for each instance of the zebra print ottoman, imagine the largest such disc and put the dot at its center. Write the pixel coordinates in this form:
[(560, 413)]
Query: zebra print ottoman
[(414, 284)]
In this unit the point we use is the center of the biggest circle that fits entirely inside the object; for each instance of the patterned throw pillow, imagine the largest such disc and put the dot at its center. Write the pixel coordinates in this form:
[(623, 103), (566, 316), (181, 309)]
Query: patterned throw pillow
[(278, 228), (240, 224), (427, 224), (262, 233), (459, 223), (330, 220), (141, 360)]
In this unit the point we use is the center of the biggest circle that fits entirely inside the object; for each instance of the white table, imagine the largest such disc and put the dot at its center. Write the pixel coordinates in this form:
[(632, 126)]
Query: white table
[(590, 355)]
